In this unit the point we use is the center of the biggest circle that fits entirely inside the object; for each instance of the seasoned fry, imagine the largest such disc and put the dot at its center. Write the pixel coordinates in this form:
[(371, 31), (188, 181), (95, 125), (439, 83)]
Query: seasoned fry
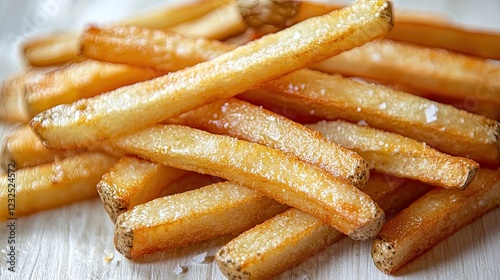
[(432, 218), (180, 219), (282, 177), (249, 122), (24, 149), (62, 48), (103, 116), (133, 181), (293, 236), (80, 80), (440, 72), (443, 127), (54, 184), (397, 155)]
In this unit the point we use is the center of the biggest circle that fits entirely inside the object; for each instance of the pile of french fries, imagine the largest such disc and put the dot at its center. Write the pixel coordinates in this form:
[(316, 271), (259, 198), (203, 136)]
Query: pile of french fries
[(189, 125)]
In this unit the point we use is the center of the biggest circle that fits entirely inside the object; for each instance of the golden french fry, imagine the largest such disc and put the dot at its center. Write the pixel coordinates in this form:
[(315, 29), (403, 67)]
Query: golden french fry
[(80, 80), (59, 49), (132, 181), (165, 51), (397, 155), (249, 122), (443, 127), (280, 176), (24, 149), (180, 219), (437, 71), (12, 104), (432, 218), (293, 236), (90, 120), (53, 184)]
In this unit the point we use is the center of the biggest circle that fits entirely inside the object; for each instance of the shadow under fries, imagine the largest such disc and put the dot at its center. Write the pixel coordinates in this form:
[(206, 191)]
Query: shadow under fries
[(464, 244)]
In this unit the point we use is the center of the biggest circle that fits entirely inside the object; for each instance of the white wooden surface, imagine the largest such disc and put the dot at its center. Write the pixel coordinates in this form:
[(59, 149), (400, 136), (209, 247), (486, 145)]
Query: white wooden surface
[(74, 242)]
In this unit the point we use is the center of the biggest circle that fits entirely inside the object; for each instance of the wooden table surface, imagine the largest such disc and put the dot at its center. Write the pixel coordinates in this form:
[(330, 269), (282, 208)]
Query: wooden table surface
[(76, 241)]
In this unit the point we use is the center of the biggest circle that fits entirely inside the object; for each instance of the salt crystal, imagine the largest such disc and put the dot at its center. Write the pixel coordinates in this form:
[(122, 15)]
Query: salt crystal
[(382, 106), (200, 258), (178, 270), (363, 123), (431, 113)]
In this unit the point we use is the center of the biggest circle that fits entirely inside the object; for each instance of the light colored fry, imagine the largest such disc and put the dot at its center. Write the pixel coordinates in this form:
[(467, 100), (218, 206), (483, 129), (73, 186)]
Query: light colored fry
[(180, 219), (80, 80), (103, 116), (443, 127), (432, 218), (437, 71), (54, 184), (132, 181), (282, 177), (249, 122), (293, 236), (397, 155), (221, 23), (24, 149)]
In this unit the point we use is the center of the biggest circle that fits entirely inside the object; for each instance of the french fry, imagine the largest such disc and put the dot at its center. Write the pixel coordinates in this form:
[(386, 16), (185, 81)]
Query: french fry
[(437, 71), (59, 49), (443, 127), (432, 218), (24, 149), (397, 155), (80, 80), (91, 120), (293, 236), (53, 184), (282, 177), (249, 122), (133, 181), (180, 219), (12, 104)]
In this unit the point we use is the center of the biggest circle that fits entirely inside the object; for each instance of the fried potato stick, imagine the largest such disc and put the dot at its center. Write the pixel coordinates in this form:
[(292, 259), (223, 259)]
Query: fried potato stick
[(188, 182), (132, 181), (54, 184), (58, 49), (397, 155), (180, 219), (246, 121), (293, 236), (280, 176), (437, 71), (432, 218), (102, 117), (24, 149), (443, 127)]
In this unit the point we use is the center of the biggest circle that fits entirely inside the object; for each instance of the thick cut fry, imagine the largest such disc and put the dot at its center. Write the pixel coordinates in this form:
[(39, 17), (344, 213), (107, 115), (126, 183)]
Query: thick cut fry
[(54, 184), (444, 127), (24, 149), (103, 116), (293, 236), (189, 182), (80, 80), (249, 122), (397, 155), (435, 71), (12, 104), (62, 48), (165, 51), (180, 219), (133, 181), (432, 218), (280, 176)]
